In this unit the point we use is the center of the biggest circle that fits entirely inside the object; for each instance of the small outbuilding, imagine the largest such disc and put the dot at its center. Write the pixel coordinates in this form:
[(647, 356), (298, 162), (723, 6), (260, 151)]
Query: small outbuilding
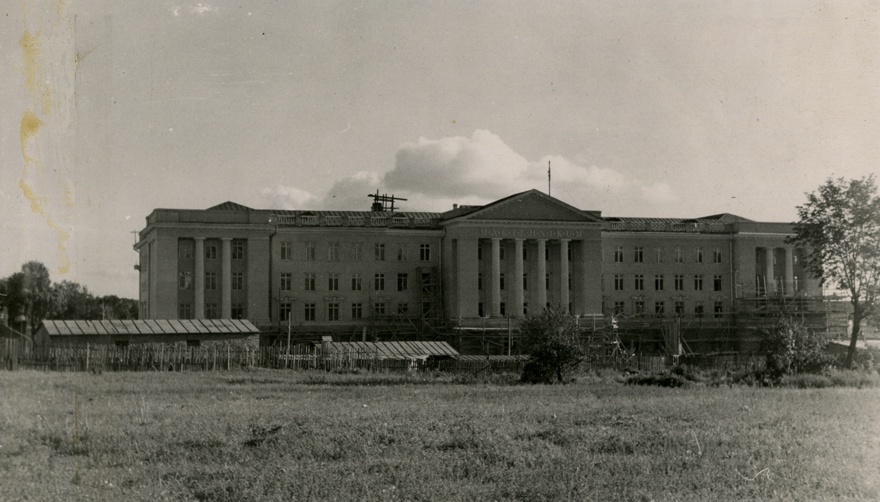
[(191, 332)]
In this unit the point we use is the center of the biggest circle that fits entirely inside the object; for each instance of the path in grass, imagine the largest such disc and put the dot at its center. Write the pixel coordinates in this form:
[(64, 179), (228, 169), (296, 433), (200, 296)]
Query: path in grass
[(273, 435)]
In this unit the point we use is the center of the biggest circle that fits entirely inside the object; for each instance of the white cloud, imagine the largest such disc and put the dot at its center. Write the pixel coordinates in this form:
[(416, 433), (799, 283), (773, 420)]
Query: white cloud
[(286, 197), (434, 174), (658, 193), (198, 9)]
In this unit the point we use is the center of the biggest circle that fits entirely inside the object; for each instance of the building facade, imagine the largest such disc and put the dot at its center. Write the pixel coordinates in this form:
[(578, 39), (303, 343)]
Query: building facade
[(315, 272)]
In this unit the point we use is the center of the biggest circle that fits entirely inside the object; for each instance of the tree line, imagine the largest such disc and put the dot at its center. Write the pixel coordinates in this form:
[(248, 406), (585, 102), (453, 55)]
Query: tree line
[(30, 294)]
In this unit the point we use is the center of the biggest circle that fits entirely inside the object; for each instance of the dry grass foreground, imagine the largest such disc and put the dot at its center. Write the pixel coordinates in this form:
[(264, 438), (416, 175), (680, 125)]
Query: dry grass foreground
[(275, 435)]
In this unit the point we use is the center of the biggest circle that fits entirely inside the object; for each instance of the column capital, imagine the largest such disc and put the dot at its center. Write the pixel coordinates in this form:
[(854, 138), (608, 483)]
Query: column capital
[(199, 238)]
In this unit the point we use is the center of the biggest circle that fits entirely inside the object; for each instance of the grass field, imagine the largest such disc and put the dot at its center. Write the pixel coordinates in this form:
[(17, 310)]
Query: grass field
[(275, 435)]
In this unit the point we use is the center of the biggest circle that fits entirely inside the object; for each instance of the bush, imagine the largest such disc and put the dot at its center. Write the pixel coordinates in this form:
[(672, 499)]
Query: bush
[(792, 348), (658, 379)]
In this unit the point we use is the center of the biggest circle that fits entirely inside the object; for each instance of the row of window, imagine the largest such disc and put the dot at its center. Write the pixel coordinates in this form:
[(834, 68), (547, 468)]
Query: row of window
[(358, 310), (638, 255), (333, 282), (356, 251), (212, 311), (660, 282), (639, 308), (186, 249), (185, 280)]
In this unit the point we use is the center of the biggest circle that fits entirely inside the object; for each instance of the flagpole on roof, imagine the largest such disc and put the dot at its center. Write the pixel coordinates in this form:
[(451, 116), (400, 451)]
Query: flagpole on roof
[(549, 192)]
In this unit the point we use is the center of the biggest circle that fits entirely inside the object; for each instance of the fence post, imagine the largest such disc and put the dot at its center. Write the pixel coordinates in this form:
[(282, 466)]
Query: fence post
[(87, 357)]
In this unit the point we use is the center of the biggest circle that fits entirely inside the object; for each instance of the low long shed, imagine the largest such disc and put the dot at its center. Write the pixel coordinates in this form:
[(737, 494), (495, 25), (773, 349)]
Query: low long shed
[(192, 332)]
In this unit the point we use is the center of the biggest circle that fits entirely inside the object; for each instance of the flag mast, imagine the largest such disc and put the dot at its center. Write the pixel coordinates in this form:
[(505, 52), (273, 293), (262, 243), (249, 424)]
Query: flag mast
[(548, 179)]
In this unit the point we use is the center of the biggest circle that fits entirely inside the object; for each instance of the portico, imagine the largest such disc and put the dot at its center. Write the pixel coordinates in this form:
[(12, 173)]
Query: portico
[(522, 254)]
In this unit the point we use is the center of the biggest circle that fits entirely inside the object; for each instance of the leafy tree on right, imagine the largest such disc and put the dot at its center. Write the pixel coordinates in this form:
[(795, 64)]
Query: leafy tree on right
[(840, 228)]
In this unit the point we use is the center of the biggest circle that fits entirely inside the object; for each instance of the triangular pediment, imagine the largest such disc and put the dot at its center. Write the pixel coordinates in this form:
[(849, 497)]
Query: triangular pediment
[(532, 205)]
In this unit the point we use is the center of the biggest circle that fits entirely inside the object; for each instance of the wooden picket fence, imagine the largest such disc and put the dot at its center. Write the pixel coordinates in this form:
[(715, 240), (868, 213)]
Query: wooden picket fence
[(18, 354)]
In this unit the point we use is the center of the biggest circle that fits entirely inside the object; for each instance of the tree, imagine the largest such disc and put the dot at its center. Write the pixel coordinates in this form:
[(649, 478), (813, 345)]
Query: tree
[(840, 227), (554, 345)]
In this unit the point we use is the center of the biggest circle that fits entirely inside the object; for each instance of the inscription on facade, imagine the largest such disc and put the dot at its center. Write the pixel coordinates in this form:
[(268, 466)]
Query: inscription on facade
[(531, 233)]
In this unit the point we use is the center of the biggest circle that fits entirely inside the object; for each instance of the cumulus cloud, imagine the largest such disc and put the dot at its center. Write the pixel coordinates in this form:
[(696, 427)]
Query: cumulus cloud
[(198, 9), (435, 173), (658, 193), (286, 197)]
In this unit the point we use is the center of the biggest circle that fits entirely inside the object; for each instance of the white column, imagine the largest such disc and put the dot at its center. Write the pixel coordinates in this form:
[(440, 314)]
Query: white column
[(789, 272), (199, 282), (540, 284), (563, 275), (226, 280), (496, 278), (517, 280), (770, 279)]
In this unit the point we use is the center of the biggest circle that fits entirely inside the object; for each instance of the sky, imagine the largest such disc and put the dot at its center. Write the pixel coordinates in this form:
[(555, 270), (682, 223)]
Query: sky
[(661, 109)]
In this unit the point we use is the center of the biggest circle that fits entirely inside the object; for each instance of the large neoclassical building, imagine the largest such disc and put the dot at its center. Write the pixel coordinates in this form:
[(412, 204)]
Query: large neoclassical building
[(345, 272)]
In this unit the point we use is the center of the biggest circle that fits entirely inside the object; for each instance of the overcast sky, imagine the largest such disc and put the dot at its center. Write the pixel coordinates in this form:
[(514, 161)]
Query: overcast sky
[(643, 108)]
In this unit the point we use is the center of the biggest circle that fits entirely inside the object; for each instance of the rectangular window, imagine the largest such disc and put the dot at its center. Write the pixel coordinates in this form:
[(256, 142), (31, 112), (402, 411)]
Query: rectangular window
[(699, 255), (679, 258), (402, 308), (679, 307), (698, 310), (310, 250), (698, 283), (284, 311), (210, 280), (480, 309), (719, 310), (333, 251), (333, 282), (501, 252), (333, 311), (547, 281), (659, 255), (502, 309), (403, 252), (238, 311), (210, 251), (309, 281), (308, 311), (525, 282), (658, 282), (618, 282), (286, 250), (716, 283), (716, 256), (185, 249), (379, 251), (546, 254), (619, 308), (185, 280), (639, 306), (501, 277), (211, 311), (525, 308), (659, 309), (357, 251), (679, 282), (185, 311), (479, 252), (639, 254), (525, 253), (425, 252), (357, 310), (357, 282), (569, 285), (640, 282), (379, 308), (618, 254), (480, 281), (402, 282), (796, 283), (237, 250), (379, 282), (286, 281), (237, 281)]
